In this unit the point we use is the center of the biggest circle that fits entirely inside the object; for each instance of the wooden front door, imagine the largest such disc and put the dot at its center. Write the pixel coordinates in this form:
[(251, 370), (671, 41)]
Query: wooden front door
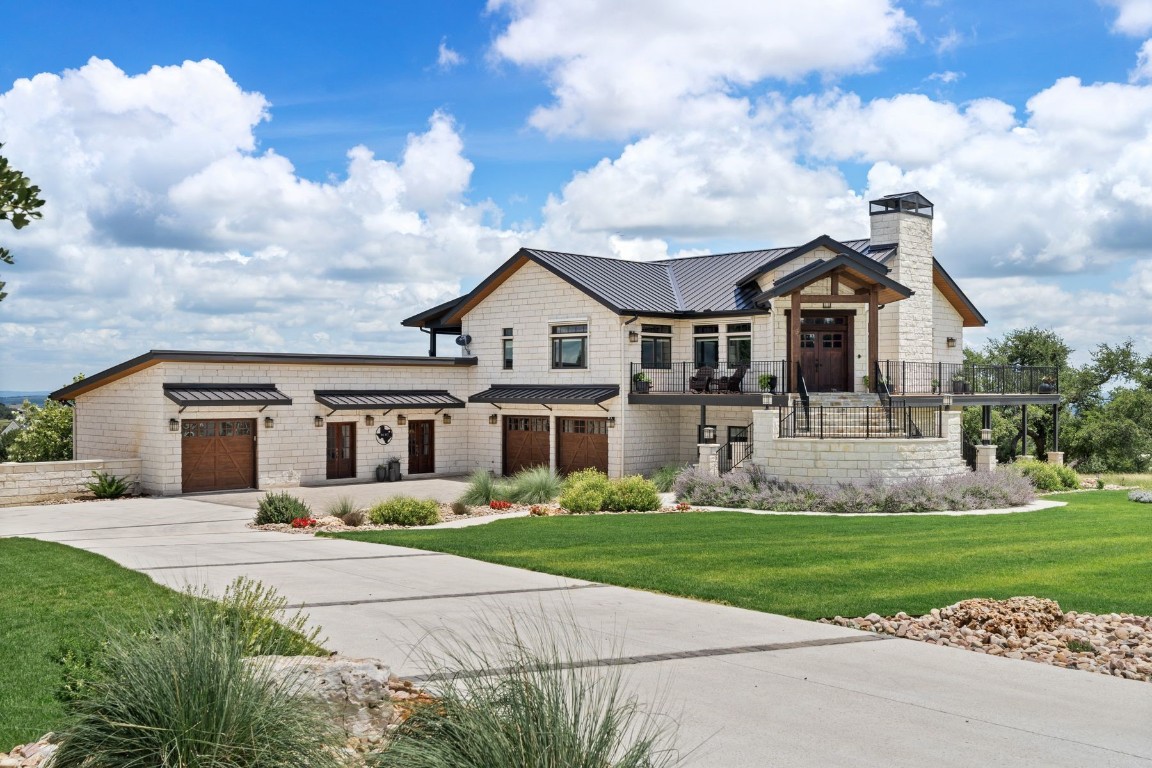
[(826, 353), (581, 444), (341, 449), (525, 443), (421, 446), (217, 454)]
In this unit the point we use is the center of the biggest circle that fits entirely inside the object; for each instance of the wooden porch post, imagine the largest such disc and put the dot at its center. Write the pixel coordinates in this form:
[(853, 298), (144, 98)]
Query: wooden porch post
[(873, 331), (794, 333)]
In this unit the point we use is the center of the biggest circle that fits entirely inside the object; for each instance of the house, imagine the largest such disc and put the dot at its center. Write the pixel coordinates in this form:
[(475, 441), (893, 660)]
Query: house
[(827, 361)]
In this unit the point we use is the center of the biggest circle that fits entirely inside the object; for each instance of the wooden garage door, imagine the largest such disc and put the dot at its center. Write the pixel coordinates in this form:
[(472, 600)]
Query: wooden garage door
[(218, 454), (525, 443), (581, 444)]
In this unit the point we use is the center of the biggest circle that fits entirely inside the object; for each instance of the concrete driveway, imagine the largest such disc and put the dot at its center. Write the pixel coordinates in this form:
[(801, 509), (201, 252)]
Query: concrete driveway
[(754, 689)]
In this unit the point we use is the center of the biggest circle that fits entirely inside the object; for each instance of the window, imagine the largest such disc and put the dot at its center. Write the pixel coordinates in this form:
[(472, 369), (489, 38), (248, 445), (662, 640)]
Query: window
[(507, 342), (570, 346), (739, 327), (706, 351), (739, 350), (656, 352), (664, 330), (705, 329)]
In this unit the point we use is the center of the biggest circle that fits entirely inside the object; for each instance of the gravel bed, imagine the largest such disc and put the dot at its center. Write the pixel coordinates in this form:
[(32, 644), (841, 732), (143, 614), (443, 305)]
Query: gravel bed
[(335, 524), (1029, 628)]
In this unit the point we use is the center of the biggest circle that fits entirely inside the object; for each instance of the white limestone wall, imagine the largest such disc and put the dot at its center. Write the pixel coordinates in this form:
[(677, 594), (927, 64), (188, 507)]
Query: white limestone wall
[(655, 437), (906, 326), (131, 416), (34, 482), (946, 322), (831, 462)]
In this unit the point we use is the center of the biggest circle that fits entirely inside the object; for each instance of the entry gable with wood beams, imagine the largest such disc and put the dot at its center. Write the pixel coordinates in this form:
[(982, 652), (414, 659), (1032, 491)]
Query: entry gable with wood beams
[(845, 279)]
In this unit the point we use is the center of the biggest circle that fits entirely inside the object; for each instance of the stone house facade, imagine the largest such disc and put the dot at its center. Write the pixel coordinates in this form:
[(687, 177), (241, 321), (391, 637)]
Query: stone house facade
[(574, 361)]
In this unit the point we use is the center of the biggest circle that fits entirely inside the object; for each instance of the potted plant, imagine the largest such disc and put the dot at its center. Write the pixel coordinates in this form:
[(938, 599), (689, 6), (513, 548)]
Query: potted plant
[(867, 383), (959, 385), (768, 382), (935, 386), (1047, 386), (641, 384), (382, 472)]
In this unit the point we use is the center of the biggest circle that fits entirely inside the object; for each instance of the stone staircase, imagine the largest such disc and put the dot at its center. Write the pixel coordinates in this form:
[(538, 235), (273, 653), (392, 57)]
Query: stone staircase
[(844, 399), (858, 415)]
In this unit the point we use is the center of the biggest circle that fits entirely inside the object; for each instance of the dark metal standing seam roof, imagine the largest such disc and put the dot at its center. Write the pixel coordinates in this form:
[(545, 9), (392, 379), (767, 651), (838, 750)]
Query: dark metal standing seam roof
[(551, 394), (358, 399), (225, 394)]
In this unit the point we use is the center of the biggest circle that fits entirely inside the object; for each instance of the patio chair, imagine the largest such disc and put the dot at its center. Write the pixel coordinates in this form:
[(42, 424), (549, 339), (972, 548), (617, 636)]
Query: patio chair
[(701, 380), (733, 383)]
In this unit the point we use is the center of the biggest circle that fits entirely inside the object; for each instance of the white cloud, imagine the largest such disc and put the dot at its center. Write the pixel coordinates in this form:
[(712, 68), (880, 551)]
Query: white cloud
[(622, 68), (948, 42), (1134, 17), (947, 76), (446, 58), (1143, 70)]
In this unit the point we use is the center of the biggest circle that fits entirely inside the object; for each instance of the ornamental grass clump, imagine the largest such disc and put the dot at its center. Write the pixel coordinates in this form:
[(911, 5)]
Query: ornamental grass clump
[(185, 696), (533, 705), (344, 505), (405, 510), (483, 488), (665, 477), (281, 508), (535, 485)]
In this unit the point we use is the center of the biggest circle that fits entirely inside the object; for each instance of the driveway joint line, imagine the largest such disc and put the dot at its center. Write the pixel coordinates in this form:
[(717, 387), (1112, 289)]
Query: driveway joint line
[(302, 560), (649, 658), (447, 596), (116, 527)]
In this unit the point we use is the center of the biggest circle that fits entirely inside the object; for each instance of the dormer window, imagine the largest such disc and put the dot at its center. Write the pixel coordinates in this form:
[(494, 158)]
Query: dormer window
[(570, 346)]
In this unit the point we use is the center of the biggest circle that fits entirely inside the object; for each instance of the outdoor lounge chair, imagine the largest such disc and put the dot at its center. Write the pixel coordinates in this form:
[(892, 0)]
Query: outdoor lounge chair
[(701, 380), (733, 383)]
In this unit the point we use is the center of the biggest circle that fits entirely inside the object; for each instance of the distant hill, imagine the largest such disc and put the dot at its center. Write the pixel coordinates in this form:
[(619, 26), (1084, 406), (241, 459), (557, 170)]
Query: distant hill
[(16, 397)]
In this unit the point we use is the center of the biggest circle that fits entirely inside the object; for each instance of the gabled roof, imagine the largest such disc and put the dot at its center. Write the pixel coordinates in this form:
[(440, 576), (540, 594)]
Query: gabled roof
[(863, 270), (821, 242), (670, 287), (947, 286)]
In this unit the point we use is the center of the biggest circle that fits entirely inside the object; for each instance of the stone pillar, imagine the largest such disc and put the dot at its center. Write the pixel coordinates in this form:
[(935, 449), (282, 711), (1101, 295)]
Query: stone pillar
[(1056, 457), (709, 458), (985, 458)]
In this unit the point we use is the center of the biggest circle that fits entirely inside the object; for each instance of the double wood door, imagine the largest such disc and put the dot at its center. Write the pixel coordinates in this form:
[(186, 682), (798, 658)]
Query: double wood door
[(826, 352)]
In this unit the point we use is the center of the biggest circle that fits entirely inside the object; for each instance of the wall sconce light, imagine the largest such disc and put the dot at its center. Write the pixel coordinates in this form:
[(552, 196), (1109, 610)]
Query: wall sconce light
[(173, 425), (401, 420), (318, 421), (709, 434), (447, 418), (951, 342), (369, 421), (269, 424), (611, 421), (633, 336), (493, 418)]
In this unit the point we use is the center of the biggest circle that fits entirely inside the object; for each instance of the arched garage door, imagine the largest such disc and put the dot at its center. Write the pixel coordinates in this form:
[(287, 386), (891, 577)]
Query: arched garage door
[(217, 454), (581, 444)]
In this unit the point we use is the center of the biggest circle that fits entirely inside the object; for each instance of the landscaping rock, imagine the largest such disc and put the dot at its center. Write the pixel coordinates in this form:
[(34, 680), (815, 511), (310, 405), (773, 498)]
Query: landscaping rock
[(36, 755), (1031, 628)]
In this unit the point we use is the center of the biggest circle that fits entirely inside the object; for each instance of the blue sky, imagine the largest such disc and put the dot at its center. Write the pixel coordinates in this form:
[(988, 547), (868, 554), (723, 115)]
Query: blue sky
[(276, 176)]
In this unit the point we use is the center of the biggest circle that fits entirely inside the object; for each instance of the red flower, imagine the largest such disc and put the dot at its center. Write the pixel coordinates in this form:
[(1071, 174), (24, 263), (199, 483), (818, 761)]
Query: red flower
[(495, 504), (303, 522)]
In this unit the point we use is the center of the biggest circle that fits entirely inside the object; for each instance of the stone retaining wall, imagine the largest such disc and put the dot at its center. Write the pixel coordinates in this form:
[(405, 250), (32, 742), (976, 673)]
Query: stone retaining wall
[(841, 460), (48, 480)]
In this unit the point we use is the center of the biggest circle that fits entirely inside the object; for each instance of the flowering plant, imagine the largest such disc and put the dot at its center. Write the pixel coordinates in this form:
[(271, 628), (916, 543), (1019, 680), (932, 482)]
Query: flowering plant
[(496, 504), (683, 506), (538, 510), (303, 522)]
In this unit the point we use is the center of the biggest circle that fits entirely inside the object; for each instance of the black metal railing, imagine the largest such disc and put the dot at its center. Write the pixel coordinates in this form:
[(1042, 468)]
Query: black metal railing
[(735, 452), (910, 378), (866, 423), (759, 377)]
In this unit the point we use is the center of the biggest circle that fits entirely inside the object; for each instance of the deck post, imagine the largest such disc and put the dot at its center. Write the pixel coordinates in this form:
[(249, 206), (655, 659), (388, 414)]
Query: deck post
[(874, 334), (794, 335)]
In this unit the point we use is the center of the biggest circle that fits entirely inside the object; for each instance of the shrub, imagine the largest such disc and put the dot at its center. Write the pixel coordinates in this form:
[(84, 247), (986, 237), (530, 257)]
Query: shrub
[(541, 707), (586, 490), (482, 488), (107, 486), (665, 477), (280, 508), (356, 517), (632, 494), (1048, 477), (535, 485), (184, 695), (405, 510), (340, 507), (1143, 497)]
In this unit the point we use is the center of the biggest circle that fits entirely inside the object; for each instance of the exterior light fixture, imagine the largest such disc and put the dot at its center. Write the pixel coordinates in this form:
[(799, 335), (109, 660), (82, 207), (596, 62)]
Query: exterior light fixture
[(633, 336), (401, 420), (611, 421), (369, 421), (447, 418), (173, 425), (951, 342), (709, 434), (269, 423), (493, 418), (318, 421)]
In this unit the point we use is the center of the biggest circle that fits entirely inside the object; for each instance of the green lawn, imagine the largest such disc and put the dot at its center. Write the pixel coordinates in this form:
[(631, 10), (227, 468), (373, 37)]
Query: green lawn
[(52, 596), (1093, 555)]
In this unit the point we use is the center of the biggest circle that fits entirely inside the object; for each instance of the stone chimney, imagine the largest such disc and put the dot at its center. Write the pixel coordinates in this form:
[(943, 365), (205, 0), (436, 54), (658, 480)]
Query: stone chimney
[(905, 220)]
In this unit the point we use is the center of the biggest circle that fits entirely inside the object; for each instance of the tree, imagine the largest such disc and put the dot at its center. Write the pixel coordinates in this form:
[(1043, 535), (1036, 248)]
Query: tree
[(45, 433), (19, 203)]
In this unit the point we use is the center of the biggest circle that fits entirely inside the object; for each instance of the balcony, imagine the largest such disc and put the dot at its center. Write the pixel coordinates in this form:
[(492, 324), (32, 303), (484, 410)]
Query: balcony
[(687, 383), (970, 384)]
